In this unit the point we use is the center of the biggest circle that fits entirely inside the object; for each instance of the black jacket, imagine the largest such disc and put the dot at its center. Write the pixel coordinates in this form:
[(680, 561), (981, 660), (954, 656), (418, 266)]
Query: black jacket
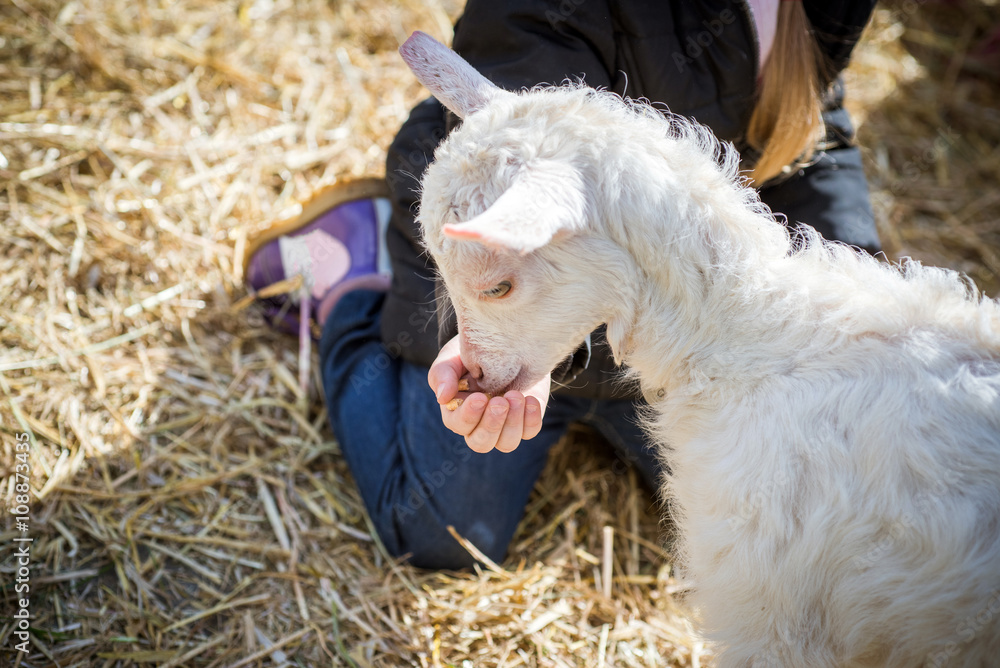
[(699, 59)]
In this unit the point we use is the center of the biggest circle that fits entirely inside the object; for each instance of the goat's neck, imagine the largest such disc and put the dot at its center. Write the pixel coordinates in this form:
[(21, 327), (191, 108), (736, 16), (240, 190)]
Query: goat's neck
[(698, 254)]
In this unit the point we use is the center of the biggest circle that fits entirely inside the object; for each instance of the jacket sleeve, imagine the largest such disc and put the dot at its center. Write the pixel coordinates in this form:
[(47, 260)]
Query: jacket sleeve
[(409, 320), (837, 26)]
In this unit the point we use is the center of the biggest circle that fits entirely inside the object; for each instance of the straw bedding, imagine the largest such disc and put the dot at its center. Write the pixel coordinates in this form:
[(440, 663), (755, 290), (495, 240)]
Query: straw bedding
[(188, 503)]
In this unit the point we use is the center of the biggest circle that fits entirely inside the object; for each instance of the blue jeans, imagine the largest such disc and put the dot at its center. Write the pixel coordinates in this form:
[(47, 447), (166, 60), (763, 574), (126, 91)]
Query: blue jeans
[(415, 476)]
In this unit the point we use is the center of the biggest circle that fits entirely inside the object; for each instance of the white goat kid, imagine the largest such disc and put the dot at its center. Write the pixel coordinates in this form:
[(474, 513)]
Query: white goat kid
[(831, 424)]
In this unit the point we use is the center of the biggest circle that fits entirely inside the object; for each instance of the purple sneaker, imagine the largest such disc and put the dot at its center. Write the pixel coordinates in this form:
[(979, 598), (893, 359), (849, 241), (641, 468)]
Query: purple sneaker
[(336, 244)]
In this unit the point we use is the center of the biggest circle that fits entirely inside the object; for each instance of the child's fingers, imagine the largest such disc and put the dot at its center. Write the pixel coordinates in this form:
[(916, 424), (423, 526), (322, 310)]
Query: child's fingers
[(486, 434), (532, 423), (464, 419), (445, 372), (443, 379), (513, 426)]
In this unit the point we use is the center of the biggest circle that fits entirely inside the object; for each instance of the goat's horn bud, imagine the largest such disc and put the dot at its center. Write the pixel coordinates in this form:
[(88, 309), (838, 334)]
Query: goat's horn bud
[(453, 81)]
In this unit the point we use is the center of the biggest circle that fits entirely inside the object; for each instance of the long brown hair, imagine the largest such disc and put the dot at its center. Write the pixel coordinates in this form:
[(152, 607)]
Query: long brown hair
[(786, 123)]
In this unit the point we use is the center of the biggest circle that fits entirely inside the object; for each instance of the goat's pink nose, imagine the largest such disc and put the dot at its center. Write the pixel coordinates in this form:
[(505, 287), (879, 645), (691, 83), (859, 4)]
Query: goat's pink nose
[(475, 370)]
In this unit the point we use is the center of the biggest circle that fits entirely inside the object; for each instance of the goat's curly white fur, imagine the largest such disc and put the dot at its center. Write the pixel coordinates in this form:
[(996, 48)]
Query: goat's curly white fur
[(831, 423)]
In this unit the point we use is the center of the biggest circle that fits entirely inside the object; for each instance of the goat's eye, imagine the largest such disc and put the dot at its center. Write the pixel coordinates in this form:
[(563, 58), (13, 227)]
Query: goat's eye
[(498, 291)]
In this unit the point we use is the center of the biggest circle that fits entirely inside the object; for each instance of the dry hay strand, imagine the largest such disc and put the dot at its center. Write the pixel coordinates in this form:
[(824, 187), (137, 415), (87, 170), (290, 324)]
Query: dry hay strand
[(189, 506)]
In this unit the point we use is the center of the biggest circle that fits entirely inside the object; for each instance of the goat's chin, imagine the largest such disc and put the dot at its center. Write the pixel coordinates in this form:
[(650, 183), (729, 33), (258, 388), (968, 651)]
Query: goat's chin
[(521, 382)]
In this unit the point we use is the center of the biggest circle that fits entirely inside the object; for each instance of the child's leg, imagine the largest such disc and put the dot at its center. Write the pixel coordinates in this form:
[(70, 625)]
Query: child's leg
[(415, 476)]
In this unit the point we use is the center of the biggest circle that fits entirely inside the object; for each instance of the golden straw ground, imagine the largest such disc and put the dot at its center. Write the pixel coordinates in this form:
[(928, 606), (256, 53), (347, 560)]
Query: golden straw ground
[(189, 505)]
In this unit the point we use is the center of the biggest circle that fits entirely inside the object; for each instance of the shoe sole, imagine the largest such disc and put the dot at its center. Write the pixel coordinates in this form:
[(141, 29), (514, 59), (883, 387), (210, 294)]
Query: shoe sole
[(320, 202)]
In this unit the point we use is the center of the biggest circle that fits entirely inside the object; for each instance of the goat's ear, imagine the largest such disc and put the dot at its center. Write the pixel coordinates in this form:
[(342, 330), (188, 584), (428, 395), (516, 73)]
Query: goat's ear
[(542, 201), (454, 82)]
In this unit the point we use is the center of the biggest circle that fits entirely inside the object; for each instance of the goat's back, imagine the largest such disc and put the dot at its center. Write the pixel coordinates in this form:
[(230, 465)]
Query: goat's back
[(847, 512)]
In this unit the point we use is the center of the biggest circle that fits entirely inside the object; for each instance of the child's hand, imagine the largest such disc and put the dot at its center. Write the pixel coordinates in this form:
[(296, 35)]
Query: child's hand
[(500, 422)]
